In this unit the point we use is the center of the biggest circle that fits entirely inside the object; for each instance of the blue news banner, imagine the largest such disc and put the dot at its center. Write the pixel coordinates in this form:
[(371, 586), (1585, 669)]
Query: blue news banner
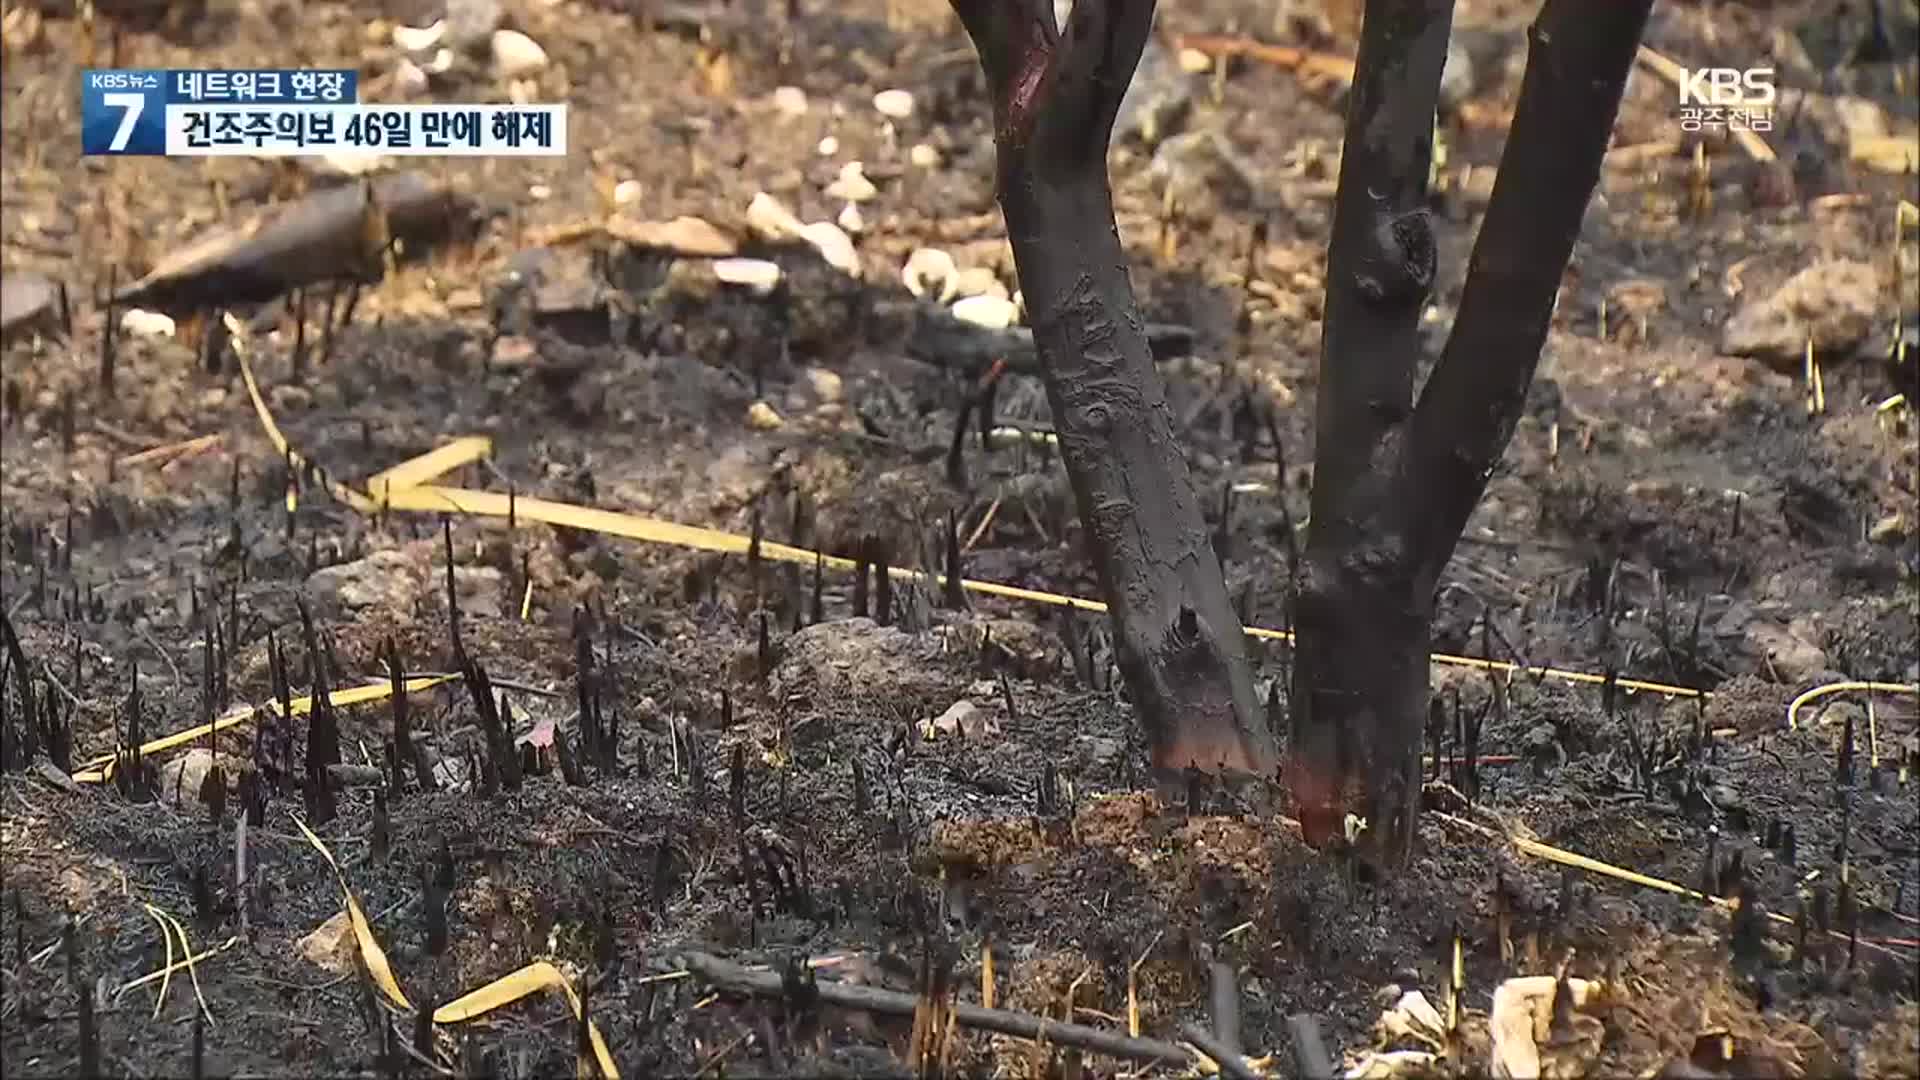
[(291, 113)]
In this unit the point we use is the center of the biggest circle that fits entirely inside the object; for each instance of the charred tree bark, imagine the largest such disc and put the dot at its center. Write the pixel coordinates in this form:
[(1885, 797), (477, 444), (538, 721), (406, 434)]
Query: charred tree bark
[(1360, 665), (1394, 482), (1182, 649)]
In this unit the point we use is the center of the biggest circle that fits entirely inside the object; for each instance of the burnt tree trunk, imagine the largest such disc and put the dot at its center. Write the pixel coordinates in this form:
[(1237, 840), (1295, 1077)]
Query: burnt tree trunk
[(1182, 650), (1395, 481)]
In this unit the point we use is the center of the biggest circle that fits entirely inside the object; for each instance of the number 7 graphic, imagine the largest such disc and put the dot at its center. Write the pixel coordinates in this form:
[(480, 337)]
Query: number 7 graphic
[(133, 104)]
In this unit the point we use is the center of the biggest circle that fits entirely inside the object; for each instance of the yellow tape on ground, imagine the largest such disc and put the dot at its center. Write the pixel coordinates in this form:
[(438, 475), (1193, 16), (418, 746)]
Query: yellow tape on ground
[(429, 466), (370, 951), (100, 769), (507, 989)]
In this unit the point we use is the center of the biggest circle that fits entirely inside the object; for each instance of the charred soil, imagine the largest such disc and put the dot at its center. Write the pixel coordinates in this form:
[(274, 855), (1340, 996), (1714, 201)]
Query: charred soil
[(794, 774)]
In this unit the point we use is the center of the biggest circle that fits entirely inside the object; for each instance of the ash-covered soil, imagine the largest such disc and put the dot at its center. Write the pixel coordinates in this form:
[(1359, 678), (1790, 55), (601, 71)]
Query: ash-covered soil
[(1669, 511)]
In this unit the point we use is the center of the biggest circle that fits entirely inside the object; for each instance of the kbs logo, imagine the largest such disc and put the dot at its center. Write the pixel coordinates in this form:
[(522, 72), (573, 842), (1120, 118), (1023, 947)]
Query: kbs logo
[(1715, 98)]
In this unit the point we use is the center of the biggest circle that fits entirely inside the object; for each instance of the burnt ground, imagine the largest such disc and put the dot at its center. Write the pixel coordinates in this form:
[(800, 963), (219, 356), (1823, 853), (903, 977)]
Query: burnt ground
[(1754, 550)]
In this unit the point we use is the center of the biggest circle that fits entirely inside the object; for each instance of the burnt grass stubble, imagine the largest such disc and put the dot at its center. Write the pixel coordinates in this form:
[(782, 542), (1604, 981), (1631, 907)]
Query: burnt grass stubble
[(715, 782)]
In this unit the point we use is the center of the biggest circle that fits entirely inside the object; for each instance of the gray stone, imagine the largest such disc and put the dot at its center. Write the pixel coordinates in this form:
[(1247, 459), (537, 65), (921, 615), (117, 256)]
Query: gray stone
[(471, 23), (1458, 77), (1796, 659), (180, 779), (394, 577), (1202, 164), (27, 302), (1158, 100), (384, 577)]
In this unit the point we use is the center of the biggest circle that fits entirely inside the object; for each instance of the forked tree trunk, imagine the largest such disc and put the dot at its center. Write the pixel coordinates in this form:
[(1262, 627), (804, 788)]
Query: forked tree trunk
[(1395, 482), (1182, 649)]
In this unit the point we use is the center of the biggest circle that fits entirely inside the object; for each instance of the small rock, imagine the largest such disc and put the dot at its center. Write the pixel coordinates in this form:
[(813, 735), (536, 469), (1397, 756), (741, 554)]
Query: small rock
[(410, 79), (180, 779), (419, 38), (1861, 119), (1101, 751), (27, 301), (828, 146), (330, 945), (834, 245), (930, 266), (513, 351), (626, 192), (895, 104), (353, 163), (1638, 297), (289, 398), (1832, 302), (979, 281), (850, 219), (1543, 746), (146, 323), (539, 192), (827, 385), (773, 221), (384, 578), (51, 773), (856, 659), (471, 23), (1158, 99), (1796, 659), (1202, 163), (1195, 62), (1891, 529), (515, 55), (962, 718), (852, 184), (1457, 77), (683, 235), (477, 589), (757, 274), (790, 101), (761, 417), (450, 776), (923, 156), (988, 312)]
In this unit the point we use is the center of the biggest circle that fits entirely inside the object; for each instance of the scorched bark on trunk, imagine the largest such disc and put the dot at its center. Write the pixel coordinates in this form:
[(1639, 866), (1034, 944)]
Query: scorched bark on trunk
[(1182, 649), (1395, 482)]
